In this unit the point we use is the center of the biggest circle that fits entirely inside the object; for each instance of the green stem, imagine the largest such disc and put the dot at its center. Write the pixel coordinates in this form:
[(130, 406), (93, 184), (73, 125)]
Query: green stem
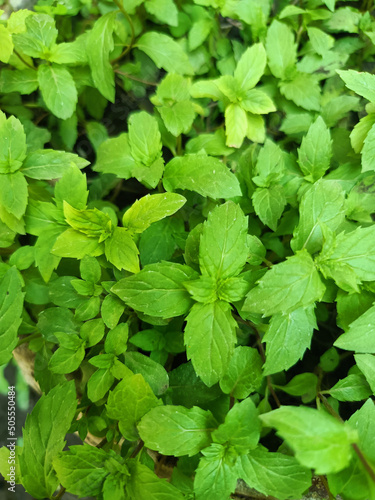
[(129, 47), (60, 494), (29, 338)]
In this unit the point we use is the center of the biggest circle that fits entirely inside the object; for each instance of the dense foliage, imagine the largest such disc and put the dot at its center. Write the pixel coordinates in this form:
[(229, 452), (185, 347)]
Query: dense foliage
[(187, 245)]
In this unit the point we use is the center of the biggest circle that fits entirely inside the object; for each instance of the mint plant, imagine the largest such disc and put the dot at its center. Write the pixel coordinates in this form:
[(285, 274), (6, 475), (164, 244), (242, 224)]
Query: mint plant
[(187, 247)]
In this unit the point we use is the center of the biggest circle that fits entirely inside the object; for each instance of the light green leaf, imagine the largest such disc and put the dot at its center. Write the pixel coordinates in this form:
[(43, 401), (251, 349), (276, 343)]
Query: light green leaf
[(241, 428), (24, 81), (351, 388), (99, 46), (157, 289), (99, 384), (178, 118), (368, 151), (66, 360), (360, 336), (295, 90), (366, 363), (92, 222), (362, 83), (43, 437), (72, 188), (362, 420), (165, 52), (281, 49), (215, 476), (121, 251), (360, 131), (235, 125), (74, 244), (40, 36), (6, 44), (251, 66), (303, 385), (128, 402), (153, 372), (322, 203), (151, 208), (164, 10), (287, 286), (49, 164), (13, 193), (13, 145), (318, 439), (144, 138), (320, 41), (210, 335), (114, 157), (111, 310), (58, 90), (270, 165), (273, 474), (11, 305), (144, 484), (257, 102), (176, 430), (70, 53), (288, 336), (223, 244), (203, 289), (350, 259), (269, 204), (243, 374), (315, 152), (204, 174)]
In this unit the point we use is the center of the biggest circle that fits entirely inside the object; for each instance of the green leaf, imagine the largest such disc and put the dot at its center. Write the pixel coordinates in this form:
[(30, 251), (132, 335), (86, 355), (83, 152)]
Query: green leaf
[(131, 399), (71, 187), (203, 289), (322, 203), (114, 157), (178, 118), (215, 476), (11, 305), (151, 208), (257, 102), (99, 384), (83, 469), (366, 363), (241, 428), (288, 336), (67, 360), (154, 373), (144, 138), (13, 145), (121, 250), (210, 335), (40, 36), (13, 193), (269, 204), (235, 125), (352, 306), (74, 244), (99, 46), (92, 222), (157, 289), (111, 310), (251, 66), (116, 339), (320, 41), (223, 244), (304, 385), (244, 373), (269, 166), (318, 439), (6, 44), (351, 388), (49, 164), (368, 151), (165, 52), (24, 81), (315, 152), (360, 336), (58, 90), (362, 83), (164, 10), (350, 259), (273, 474), (176, 430), (295, 90), (362, 420), (281, 49), (92, 331), (143, 484), (286, 286), (203, 174), (43, 438)]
